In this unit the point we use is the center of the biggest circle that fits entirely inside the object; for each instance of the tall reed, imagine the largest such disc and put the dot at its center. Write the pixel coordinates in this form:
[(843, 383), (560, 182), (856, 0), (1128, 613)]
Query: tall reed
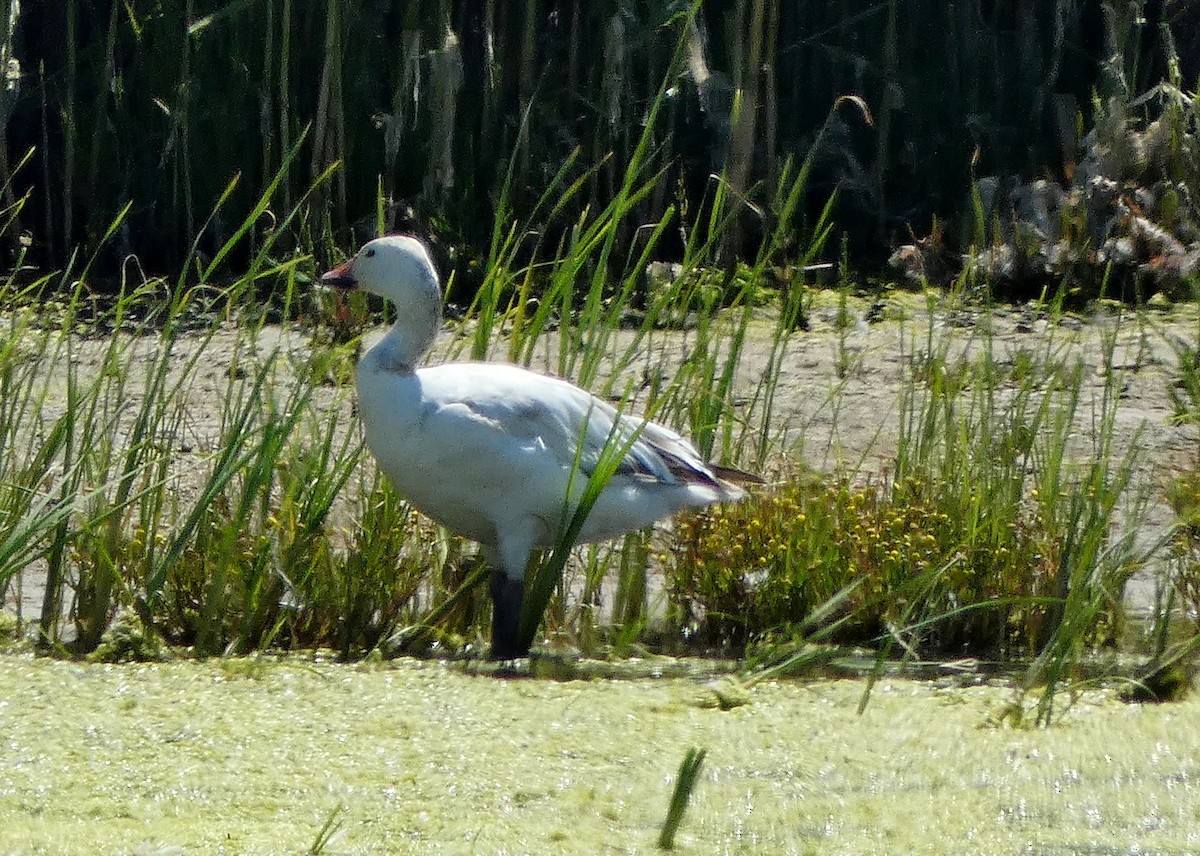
[(163, 107)]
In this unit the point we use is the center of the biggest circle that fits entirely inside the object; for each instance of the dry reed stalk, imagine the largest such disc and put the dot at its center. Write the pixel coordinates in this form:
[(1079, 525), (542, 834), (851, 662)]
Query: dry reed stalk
[(46, 185), (891, 95), (68, 120), (101, 114), (745, 121), (329, 126), (284, 97)]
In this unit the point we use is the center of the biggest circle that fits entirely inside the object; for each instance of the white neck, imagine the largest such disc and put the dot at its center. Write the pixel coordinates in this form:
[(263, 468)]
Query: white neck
[(414, 332)]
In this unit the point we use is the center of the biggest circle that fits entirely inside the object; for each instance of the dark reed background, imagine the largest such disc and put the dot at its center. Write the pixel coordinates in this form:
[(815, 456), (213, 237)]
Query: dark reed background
[(158, 104)]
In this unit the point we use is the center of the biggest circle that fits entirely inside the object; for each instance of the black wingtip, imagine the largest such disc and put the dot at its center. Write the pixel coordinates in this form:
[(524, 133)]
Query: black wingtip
[(735, 476)]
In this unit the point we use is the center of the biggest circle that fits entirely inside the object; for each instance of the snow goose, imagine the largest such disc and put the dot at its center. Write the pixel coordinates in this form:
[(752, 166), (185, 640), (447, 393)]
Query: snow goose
[(490, 451)]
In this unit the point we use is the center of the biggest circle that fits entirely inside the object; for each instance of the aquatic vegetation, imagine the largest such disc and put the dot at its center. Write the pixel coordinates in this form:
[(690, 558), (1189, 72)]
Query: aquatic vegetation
[(258, 755)]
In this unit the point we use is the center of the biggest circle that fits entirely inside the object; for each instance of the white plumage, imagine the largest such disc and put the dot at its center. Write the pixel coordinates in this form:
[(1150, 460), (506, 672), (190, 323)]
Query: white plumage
[(490, 450)]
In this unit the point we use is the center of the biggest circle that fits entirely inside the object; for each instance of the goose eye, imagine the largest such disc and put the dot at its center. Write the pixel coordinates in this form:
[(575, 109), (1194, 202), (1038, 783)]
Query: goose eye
[(370, 254)]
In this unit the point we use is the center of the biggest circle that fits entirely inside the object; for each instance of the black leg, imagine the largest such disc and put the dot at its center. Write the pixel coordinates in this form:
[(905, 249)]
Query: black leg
[(507, 595)]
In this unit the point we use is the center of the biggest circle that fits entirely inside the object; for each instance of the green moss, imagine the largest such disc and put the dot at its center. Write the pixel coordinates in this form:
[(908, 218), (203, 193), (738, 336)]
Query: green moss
[(127, 640), (424, 758), (10, 628)]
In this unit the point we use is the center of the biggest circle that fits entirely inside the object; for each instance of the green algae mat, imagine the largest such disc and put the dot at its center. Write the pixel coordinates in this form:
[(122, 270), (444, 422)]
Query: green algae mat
[(256, 757)]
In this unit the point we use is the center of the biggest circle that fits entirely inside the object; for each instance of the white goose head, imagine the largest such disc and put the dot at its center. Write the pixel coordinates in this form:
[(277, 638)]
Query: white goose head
[(398, 269)]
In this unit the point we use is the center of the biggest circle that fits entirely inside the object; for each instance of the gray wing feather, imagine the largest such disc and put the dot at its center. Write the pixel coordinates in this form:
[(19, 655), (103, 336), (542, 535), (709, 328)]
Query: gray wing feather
[(558, 415)]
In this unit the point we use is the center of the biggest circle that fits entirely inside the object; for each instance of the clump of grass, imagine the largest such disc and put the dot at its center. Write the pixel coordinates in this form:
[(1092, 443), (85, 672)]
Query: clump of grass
[(989, 533), (773, 560), (1183, 493), (1183, 387)]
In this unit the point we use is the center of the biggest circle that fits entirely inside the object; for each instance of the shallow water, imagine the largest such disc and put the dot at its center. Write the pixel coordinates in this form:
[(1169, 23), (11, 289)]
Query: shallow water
[(253, 756)]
